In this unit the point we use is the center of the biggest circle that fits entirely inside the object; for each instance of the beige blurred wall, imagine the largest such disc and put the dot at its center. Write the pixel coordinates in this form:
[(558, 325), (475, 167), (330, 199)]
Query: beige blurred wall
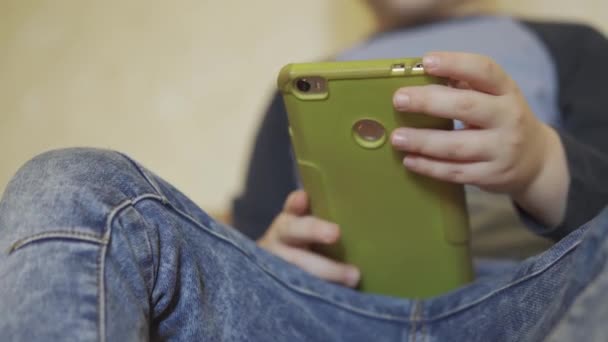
[(179, 85)]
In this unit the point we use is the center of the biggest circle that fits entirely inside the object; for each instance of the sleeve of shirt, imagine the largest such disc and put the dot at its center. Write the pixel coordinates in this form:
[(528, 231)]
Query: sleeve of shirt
[(270, 174), (580, 53)]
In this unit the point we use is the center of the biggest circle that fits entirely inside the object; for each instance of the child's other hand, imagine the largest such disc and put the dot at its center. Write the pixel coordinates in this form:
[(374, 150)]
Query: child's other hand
[(292, 233)]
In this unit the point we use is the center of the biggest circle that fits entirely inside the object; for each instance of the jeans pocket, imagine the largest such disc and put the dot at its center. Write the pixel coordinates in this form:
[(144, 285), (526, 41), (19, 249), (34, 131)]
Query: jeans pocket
[(55, 235)]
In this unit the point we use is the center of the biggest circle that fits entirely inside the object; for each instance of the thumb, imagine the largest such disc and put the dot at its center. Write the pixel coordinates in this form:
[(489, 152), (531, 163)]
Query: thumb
[(297, 203)]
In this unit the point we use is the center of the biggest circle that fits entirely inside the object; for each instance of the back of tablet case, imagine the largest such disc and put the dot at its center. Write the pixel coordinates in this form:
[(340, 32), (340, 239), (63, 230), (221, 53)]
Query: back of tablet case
[(407, 233)]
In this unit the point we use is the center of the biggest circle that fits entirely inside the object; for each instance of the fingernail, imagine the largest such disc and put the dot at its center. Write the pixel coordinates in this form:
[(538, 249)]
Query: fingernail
[(409, 162), (352, 276), (401, 101), (399, 138), (430, 61), (329, 235)]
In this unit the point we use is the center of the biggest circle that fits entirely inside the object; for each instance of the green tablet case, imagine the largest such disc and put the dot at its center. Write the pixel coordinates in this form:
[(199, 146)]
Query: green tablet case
[(407, 233)]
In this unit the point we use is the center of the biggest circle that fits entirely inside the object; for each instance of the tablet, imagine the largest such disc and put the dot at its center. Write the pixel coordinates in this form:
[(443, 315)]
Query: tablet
[(408, 234)]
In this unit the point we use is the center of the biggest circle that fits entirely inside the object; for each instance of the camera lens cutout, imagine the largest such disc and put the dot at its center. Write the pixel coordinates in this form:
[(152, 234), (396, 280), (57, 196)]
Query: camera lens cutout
[(303, 85), (310, 87)]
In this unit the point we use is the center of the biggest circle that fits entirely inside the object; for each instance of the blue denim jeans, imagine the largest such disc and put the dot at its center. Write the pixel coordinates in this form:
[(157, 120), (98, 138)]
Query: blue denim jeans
[(93, 247)]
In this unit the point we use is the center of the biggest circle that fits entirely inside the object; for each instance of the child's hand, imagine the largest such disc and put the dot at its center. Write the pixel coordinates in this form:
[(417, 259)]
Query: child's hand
[(503, 148), (292, 233)]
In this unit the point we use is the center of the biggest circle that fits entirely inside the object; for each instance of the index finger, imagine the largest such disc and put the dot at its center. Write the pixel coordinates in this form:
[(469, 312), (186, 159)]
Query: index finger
[(306, 230), (480, 72)]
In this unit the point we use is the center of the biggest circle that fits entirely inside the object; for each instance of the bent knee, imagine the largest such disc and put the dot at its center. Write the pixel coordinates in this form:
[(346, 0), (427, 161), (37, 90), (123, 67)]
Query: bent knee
[(71, 190), (63, 164), (68, 169)]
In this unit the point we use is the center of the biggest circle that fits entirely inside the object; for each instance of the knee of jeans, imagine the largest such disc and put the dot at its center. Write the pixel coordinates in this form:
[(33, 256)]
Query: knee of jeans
[(70, 190), (82, 168)]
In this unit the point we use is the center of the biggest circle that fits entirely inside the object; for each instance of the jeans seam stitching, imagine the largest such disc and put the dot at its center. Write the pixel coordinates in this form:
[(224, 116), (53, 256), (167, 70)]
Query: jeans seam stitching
[(153, 265), (102, 256), (150, 254), (100, 282), (425, 332), (314, 294), (414, 319), (57, 234), (149, 180), (295, 288), (576, 297), (564, 316), (505, 287), (162, 198)]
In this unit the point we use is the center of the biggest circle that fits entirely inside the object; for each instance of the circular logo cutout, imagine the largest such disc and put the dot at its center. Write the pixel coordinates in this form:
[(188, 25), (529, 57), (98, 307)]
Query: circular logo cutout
[(369, 133)]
